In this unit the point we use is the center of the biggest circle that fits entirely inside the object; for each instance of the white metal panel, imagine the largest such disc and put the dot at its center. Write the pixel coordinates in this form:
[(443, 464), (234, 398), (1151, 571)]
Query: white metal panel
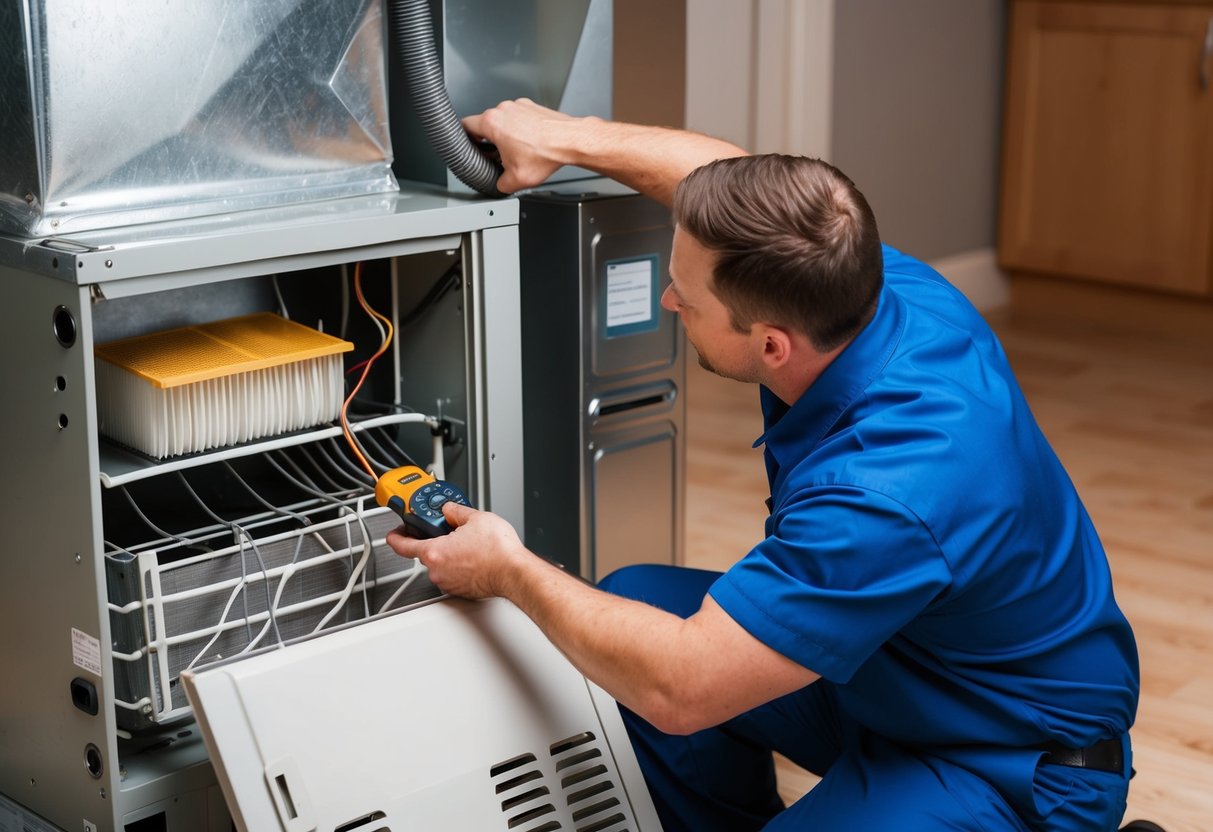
[(419, 720)]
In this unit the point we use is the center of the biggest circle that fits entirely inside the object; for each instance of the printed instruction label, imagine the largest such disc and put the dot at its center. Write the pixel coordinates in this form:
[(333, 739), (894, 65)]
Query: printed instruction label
[(630, 295), (86, 652), (15, 819), (10, 820)]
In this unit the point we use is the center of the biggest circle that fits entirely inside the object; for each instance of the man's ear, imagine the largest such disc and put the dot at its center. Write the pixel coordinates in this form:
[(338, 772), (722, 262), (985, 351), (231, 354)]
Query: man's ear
[(777, 345)]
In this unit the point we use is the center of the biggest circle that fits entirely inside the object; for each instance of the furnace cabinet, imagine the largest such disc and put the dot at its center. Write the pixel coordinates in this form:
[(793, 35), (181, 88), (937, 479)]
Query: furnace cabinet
[(604, 379), (113, 580)]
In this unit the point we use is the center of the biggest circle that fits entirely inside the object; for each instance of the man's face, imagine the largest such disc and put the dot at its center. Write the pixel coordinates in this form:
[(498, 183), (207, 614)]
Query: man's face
[(722, 349)]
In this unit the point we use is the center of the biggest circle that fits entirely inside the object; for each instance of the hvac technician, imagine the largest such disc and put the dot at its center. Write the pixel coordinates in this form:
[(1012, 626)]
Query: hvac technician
[(929, 622)]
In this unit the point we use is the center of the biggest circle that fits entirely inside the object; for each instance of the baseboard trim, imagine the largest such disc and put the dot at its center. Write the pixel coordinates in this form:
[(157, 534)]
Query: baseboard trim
[(1116, 309), (977, 275)]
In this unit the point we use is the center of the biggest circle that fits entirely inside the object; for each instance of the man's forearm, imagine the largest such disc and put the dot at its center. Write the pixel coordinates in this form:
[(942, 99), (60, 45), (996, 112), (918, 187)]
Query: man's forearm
[(534, 141), (652, 160), (679, 674), (630, 649)]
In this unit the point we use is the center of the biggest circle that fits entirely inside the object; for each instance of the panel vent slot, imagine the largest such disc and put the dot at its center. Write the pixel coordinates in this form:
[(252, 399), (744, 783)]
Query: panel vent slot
[(590, 789), (365, 820), (525, 800)]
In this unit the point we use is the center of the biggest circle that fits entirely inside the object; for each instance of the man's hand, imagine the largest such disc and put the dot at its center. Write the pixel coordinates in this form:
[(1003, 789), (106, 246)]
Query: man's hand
[(475, 560), (525, 134)]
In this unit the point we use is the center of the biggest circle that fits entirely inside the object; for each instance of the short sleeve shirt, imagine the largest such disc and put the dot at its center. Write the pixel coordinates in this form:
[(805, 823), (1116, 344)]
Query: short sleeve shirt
[(925, 550)]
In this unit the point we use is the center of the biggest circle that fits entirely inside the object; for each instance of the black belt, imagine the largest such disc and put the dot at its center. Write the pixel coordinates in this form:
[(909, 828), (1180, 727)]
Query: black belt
[(1105, 755)]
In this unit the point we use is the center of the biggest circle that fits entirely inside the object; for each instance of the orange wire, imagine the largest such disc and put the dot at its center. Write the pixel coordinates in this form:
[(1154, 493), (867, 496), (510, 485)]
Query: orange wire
[(366, 369)]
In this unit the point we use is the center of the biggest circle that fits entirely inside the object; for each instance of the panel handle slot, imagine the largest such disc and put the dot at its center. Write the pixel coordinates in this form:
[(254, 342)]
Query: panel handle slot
[(632, 399), (294, 808)]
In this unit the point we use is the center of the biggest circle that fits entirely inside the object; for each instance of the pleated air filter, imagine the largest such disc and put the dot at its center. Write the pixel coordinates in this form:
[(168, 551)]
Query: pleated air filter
[(209, 386)]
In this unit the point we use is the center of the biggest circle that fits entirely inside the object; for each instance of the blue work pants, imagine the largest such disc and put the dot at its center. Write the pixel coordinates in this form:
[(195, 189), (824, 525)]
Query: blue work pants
[(722, 779)]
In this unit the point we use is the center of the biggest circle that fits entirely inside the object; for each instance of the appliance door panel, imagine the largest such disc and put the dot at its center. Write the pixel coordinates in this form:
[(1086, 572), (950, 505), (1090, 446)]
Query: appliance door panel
[(634, 497), (455, 715)]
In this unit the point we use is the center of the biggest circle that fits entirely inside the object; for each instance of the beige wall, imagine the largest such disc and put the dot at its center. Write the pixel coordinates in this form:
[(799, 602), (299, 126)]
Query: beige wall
[(905, 97), (720, 58), (650, 62), (760, 73), (917, 117)]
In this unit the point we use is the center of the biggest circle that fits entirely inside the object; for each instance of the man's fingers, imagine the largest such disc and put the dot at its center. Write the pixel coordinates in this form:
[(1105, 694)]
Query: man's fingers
[(405, 544), (457, 514), (507, 183), (474, 125)]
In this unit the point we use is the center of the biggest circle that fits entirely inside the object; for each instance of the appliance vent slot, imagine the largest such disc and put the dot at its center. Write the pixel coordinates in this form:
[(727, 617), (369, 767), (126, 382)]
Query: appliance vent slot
[(590, 791), (582, 775), (587, 793), (606, 823), (520, 780), (511, 764), (574, 759), (365, 820), (522, 820), (522, 798), (611, 824), (558, 748), (525, 797)]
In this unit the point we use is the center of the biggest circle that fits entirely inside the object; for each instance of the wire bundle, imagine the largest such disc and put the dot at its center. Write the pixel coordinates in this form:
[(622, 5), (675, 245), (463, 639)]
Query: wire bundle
[(386, 331), (191, 389)]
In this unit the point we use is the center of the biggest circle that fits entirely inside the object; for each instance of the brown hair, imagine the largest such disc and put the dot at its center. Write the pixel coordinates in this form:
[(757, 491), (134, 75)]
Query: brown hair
[(796, 243)]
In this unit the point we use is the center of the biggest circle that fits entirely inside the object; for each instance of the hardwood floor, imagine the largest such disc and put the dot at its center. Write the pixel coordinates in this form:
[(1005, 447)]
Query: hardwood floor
[(1122, 385)]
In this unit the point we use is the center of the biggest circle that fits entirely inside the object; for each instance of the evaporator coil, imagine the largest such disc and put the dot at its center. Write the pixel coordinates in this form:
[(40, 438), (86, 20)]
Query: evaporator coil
[(195, 388)]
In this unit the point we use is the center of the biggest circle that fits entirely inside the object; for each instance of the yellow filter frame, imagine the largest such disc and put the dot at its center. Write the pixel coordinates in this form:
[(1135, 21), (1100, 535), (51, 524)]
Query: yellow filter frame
[(204, 352)]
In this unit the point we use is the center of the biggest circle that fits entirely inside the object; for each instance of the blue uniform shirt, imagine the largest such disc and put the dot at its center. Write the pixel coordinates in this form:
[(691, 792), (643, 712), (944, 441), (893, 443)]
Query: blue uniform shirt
[(925, 550)]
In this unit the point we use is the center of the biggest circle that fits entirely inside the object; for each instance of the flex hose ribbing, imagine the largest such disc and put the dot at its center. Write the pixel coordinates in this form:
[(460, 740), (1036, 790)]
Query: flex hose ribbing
[(413, 33)]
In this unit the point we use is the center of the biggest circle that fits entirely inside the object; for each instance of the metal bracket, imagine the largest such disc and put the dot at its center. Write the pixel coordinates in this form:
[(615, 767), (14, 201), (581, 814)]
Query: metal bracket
[(71, 246)]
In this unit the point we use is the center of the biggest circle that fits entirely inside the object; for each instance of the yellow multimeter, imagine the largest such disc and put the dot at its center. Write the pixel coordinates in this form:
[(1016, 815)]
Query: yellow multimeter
[(418, 497)]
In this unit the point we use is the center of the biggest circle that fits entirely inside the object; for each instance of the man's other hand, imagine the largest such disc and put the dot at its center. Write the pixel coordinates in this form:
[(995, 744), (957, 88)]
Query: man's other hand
[(475, 560), (526, 136)]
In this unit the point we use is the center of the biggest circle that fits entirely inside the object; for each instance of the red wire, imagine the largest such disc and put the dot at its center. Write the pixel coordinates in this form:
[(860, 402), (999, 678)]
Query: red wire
[(366, 369)]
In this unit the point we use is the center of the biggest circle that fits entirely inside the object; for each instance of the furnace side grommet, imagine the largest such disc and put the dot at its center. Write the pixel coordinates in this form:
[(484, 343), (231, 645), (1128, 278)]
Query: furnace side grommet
[(92, 761), (64, 325)]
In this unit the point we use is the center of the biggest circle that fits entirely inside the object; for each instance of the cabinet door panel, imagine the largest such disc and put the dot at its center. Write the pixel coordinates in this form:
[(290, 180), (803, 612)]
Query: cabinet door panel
[(1109, 139)]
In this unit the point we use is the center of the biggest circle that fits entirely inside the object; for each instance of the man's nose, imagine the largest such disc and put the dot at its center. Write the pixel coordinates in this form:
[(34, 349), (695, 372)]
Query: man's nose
[(667, 299)]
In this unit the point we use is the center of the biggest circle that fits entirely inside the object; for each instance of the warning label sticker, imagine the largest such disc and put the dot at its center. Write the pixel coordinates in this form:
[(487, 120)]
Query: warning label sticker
[(15, 819), (86, 652)]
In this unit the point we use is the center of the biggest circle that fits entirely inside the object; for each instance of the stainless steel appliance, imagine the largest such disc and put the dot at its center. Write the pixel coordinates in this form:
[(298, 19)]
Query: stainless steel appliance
[(121, 571), (604, 378), (144, 111)]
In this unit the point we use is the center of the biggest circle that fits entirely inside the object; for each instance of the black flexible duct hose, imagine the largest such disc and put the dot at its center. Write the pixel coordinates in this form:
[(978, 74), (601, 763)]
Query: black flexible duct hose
[(413, 33)]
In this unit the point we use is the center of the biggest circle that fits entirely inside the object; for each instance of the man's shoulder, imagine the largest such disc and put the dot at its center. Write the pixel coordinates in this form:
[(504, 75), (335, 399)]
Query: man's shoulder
[(935, 308), (907, 274)]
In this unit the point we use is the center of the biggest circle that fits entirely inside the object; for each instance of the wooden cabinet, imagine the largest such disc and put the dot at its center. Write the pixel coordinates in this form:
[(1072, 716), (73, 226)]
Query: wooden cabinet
[(1108, 143)]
